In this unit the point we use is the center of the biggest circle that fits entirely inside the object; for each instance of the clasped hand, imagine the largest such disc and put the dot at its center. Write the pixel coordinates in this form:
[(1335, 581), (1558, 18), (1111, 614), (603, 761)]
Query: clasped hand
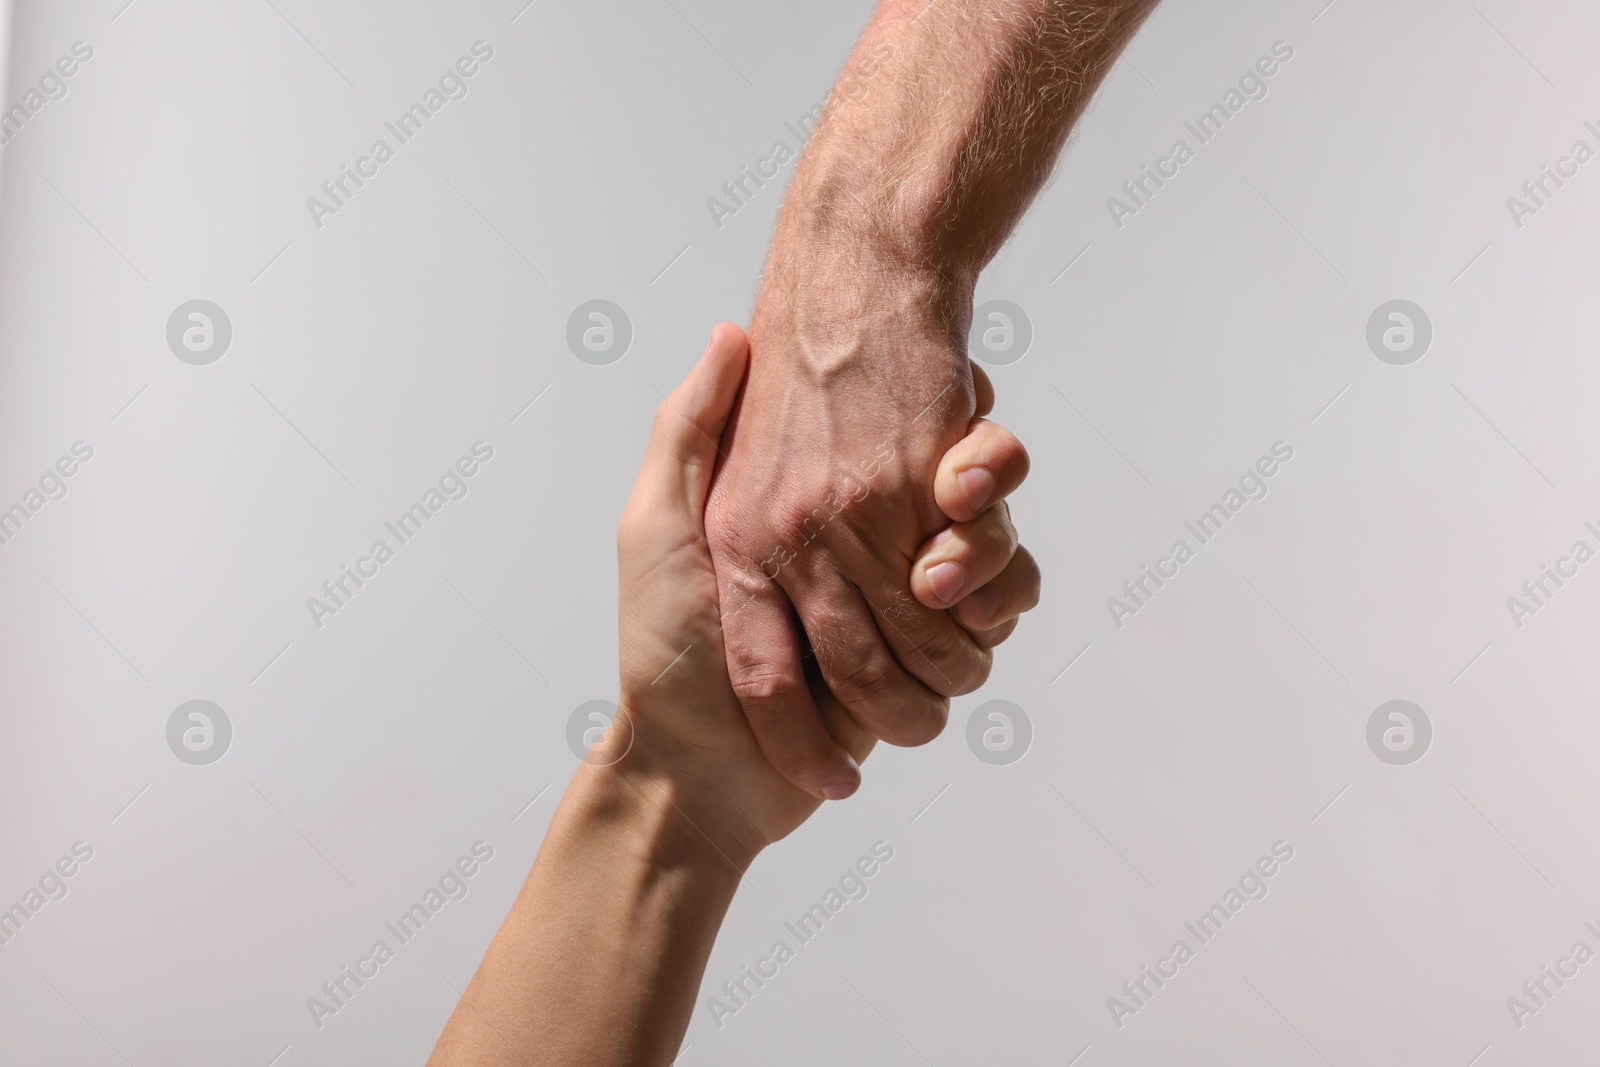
[(686, 731)]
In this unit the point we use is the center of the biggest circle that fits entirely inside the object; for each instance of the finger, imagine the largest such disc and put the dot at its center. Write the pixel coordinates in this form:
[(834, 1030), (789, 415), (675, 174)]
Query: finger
[(844, 727), (841, 725), (984, 389), (929, 643), (963, 558), (765, 670), (856, 665), (996, 636), (994, 605), (980, 469), (686, 437)]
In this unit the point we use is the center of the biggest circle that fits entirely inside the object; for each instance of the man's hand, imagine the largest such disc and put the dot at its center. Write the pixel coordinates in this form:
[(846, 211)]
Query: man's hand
[(946, 121), (823, 497), (682, 727), (679, 727), (975, 567)]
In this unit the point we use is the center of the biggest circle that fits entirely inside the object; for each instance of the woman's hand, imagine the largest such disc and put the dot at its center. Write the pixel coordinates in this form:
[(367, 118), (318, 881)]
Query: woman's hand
[(655, 830), (680, 730)]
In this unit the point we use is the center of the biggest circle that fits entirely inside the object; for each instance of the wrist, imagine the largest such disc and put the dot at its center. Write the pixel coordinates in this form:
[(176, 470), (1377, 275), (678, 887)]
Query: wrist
[(833, 294), (666, 815), (830, 226), (890, 200)]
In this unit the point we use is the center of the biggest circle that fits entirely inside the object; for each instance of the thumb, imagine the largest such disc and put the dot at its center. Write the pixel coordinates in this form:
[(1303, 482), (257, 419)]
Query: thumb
[(686, 438)]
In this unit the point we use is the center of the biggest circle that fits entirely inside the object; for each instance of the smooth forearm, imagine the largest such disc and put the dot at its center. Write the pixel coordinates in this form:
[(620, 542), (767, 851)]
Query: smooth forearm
[(947, 120), (601, 956)]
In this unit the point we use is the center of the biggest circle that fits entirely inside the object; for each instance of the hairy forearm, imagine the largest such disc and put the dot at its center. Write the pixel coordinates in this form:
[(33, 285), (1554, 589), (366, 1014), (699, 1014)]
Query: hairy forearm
[(947, 120), (601, 957)]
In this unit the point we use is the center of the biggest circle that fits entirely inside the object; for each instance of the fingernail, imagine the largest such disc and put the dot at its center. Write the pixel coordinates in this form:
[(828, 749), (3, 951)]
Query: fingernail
[(840, 789), (977, 485), (986, 601), (844, 782), (947, 580)]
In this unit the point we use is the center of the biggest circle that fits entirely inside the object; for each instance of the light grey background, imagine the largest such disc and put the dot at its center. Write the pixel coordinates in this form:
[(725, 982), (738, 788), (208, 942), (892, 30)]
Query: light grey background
[(428, 313)]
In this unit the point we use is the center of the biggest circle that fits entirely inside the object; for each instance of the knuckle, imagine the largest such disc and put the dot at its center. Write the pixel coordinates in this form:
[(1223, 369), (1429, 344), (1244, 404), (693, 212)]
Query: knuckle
[(1016, 452), (798, 524), (722, 525), (642, 533), (978, 667), (741, 579), (1007, 451), (760, 682), (663, 417), (998, 635), (997, 538), (910, 731), (863, 680), (778, 528), (628, 526), (944, 645), (888, 702), (1029, 578), (959, 665)]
